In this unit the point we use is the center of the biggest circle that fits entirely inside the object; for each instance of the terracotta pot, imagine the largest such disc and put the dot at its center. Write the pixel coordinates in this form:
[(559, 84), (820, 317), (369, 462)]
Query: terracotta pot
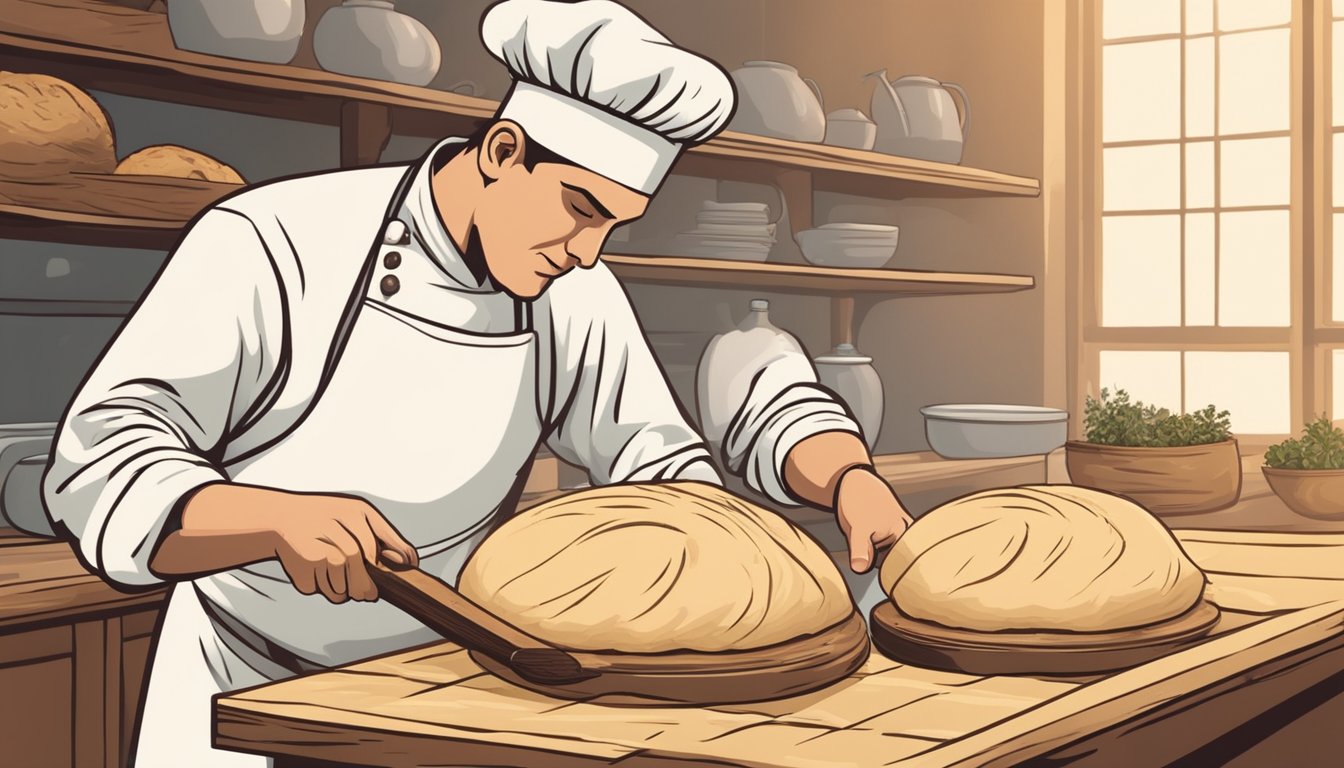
[(1166, 481), (1314, 493)]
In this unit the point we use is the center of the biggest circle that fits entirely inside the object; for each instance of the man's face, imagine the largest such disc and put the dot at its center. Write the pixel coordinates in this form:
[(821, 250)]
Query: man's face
[(534, 226)]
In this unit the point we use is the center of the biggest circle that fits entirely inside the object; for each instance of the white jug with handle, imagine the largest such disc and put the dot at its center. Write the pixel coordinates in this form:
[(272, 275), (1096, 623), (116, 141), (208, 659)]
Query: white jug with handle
[(917, 117)]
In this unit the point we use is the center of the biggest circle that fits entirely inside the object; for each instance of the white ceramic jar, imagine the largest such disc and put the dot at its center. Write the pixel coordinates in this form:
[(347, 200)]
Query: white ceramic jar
[(730, 362), (369, 38), (853, 378), (850, 128), (256, 30)]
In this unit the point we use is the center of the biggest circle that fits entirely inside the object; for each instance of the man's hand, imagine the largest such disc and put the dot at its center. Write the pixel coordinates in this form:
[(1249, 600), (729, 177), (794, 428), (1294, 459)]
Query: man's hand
[(328, 544), (870, 515)]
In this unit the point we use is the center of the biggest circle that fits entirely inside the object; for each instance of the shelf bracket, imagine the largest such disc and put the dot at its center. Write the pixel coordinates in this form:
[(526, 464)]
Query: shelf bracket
[(795, 189), (365, 130), (842, 321)]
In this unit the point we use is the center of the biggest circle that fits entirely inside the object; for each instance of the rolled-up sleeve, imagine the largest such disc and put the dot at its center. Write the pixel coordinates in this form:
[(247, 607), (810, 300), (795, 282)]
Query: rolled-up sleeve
[(189, 359), (612, 409), (783, 406)]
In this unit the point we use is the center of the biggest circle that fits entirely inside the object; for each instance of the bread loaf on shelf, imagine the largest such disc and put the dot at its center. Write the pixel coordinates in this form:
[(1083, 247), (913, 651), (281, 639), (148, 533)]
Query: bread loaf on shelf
[(178, 162), (48, 128)]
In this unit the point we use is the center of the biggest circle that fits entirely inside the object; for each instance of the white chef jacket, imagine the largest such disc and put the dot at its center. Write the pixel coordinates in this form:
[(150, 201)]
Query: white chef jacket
[(228, 348)]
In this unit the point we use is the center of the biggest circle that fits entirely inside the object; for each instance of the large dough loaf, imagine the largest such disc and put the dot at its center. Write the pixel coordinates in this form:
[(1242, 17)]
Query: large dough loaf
[(180, 162), (1047, 557), (651, 568), (48, 127)]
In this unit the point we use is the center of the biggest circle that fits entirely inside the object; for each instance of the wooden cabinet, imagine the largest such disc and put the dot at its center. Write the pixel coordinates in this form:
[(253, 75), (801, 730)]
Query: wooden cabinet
[(71, 692), (73, 657)]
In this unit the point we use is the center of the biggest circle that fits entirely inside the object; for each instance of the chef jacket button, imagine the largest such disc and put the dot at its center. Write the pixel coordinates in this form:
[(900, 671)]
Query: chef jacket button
[(390, 285), (396, 233), (392, 260)]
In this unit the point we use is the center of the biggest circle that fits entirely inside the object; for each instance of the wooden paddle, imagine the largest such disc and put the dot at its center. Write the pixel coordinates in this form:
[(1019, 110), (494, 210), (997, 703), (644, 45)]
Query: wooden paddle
[(445, 610)]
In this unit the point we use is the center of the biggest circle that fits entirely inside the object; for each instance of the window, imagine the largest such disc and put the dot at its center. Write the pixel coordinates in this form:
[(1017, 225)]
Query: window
[(1202, 285)]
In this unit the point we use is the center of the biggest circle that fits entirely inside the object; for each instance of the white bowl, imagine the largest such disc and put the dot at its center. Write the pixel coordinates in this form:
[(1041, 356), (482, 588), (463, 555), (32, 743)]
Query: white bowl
[(992, 431), (858, 227), (839, 248)]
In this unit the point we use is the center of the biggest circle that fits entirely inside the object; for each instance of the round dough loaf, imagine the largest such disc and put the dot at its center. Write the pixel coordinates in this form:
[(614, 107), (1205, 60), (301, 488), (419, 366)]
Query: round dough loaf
[(1045, 557), (653, 568), (48, 127), (179, 162)]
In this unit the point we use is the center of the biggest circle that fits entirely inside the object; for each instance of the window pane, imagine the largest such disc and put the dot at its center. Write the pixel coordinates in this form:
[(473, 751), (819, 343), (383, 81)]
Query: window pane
[(1141, 96), (1151, 377), (1253, 269), (1337, 174), (1337, 73), (1198, 16), (1199, 272), (1338, 8), (1139, 178), (1337, 269), (1141, 270), (1253, 82), (1245, 14), (1256, 172), (1199, 175), (1199, 87), (1131, 18), (1336, 382), (1252, 385)]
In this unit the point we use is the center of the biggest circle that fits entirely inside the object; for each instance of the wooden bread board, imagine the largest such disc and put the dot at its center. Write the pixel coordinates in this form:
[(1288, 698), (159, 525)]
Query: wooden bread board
[(804, 664), (912, 641)]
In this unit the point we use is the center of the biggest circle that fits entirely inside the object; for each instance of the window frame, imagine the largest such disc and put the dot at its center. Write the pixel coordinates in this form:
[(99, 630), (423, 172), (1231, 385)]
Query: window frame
[(1312, 335)]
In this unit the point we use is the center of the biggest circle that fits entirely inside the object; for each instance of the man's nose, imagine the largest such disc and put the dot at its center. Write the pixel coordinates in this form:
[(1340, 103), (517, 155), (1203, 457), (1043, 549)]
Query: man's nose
[(585, 255)]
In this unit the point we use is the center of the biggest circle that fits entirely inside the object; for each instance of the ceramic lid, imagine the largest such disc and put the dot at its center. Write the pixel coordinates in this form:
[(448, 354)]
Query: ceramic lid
[(848, 116), (844, 354)]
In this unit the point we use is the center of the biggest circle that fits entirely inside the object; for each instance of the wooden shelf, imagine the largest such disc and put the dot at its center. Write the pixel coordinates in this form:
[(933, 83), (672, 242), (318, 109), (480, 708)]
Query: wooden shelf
[(104, 46), (797, 278), (152, 210)]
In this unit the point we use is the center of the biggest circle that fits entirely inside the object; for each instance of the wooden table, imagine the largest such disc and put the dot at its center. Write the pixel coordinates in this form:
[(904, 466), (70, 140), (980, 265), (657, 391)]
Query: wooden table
[(1281, 638)]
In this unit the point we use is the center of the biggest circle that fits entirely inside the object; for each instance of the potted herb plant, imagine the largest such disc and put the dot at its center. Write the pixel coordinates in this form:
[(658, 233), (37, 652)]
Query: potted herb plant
[(1307, 473), (1172, 464)]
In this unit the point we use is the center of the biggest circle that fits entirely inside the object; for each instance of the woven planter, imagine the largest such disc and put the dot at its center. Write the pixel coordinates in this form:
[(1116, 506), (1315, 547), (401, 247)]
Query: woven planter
[(1314, 493), (1167, 481)]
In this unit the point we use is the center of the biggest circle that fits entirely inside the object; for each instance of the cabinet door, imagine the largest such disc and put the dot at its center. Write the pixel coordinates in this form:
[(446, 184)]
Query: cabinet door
[(138, 637), (36, 709)]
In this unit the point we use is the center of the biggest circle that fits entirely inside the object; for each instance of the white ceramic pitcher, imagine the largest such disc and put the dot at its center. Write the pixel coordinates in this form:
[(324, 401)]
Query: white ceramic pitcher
[(917, 117)]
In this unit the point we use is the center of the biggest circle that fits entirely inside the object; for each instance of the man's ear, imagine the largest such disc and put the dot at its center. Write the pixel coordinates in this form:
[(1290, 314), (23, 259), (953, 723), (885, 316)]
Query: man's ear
[(502, 149)]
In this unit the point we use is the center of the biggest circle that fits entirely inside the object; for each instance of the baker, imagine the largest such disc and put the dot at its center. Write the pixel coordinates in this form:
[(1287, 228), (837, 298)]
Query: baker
[(342, 366)]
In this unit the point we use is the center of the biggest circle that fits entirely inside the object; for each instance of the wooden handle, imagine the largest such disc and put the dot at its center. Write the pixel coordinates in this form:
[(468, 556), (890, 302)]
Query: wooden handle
[(446, 611)]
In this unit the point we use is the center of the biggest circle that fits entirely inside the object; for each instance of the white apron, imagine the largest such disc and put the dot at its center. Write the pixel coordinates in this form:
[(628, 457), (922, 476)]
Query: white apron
[(434, 427)]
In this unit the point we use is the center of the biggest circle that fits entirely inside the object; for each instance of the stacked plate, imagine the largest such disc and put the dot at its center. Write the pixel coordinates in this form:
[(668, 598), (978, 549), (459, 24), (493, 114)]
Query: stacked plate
[(734, 231)]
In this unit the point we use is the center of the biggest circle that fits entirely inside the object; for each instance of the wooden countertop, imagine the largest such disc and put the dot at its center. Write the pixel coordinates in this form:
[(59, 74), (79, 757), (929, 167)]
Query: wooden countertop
[(42, 582), (1282, 595)]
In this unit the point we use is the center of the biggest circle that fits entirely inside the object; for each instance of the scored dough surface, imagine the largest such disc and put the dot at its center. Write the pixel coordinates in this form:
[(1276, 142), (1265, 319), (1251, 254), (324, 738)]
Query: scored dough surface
[(1048, 557), (653, 568)]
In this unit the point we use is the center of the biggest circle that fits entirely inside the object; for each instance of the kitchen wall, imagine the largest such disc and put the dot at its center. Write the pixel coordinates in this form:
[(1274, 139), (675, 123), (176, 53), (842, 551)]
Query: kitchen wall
[(938, 349)]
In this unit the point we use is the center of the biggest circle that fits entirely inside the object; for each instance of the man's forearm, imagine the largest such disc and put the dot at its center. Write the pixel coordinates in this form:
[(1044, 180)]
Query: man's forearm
[(223, 526), (814, 466)]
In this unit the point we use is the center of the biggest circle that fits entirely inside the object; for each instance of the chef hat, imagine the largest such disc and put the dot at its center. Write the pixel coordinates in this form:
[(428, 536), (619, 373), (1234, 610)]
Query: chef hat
[(596, 84)]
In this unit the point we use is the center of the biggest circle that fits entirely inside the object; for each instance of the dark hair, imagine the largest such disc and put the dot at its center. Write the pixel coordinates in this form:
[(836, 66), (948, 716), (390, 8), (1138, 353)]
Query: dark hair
[(533, 154)]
